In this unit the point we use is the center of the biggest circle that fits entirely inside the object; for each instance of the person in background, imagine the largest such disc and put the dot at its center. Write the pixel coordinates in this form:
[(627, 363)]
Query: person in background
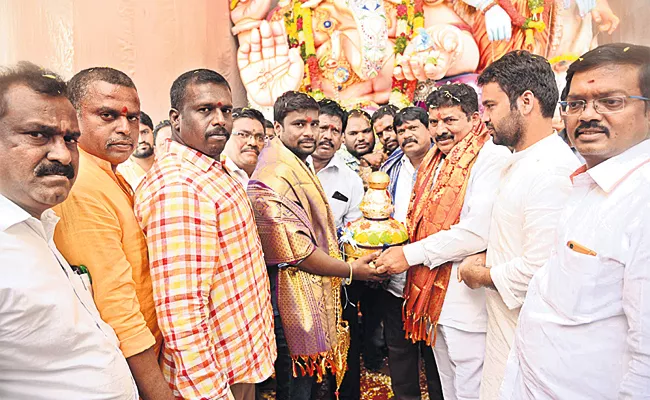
[(136, 166), (161, 133), (270, 131), (52, 338), (245, 143)]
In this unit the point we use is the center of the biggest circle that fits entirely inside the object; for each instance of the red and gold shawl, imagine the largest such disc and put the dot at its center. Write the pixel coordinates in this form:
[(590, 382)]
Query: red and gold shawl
[(431, 211)]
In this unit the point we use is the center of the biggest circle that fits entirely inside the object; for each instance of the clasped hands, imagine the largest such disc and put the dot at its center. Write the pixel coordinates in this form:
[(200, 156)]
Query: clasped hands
[(472, 270)]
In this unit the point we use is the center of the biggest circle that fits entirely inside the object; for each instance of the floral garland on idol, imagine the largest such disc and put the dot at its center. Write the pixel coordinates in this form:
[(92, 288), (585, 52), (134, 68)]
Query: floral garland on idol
[(299, 30), (540, 11), (410, 18)]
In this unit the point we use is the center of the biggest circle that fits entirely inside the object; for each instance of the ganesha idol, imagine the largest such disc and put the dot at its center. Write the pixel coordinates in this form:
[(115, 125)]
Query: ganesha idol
[(374, 51)]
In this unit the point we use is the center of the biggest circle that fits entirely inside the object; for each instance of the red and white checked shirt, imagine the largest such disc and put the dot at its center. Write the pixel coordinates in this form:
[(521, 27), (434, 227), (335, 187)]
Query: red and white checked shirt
[(210, 284)]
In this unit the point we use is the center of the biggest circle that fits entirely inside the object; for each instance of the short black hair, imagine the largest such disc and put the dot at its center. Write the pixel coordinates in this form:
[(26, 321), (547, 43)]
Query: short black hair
[(617, 54), (292, 101), (411, 114), (145, 119), (78, 85), (331, 107), (357, 112), (196, 76), (40, 80), (250, 113), (162, 124), (519, 71), (452, 95), (268, 124), (383, 111)]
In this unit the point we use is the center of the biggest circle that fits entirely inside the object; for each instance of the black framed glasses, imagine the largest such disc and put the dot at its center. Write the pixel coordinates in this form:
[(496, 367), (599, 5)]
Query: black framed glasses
[(604, 105)]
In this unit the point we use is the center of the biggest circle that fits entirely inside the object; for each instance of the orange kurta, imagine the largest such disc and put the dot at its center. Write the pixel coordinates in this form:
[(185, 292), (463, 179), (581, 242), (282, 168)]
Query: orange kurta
[(98, 229)]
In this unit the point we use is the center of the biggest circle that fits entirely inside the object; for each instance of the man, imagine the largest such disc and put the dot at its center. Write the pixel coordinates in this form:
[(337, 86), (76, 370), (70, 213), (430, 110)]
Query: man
[(210, 282), (161, 133), (269, 130), (411, 125), (245, 143), (344, 191), (583, 330), (519, 97), (136, 166), (50, 330), (359, 143), (344, 188), (382, 125), (98, 228), (298, 235), (462, 170)]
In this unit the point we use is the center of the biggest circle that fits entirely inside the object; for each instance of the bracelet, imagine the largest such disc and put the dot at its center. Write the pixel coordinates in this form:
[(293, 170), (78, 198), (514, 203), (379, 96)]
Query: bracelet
[(489, 6), (348, 281)]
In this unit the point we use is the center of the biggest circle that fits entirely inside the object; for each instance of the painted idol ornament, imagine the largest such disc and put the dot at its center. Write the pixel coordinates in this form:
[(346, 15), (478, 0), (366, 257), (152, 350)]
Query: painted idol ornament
[(376, 230)]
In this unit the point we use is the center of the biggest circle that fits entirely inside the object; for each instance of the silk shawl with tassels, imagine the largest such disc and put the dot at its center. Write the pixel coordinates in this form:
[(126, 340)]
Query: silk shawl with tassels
[(293, 217), (435, 206)]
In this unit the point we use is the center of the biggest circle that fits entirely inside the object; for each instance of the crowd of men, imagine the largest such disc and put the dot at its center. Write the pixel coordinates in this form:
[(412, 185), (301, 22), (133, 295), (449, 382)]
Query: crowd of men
[(197, 258)]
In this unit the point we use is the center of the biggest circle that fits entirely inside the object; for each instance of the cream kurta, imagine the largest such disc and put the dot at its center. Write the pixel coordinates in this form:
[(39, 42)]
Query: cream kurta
[(534, 187)]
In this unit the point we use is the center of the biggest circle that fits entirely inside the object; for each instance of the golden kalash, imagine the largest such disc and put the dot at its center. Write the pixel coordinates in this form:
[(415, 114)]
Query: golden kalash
[(376, 230)]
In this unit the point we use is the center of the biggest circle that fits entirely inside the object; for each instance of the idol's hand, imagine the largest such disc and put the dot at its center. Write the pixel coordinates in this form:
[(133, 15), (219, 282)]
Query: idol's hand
[(585, 6), (268, 67), (604, 16), (248, 14), (498, 24), (363, 269), (430, 54), (393, 260)]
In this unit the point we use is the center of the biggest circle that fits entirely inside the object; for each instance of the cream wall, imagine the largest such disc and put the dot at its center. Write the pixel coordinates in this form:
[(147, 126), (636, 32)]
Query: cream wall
[(153, 41)]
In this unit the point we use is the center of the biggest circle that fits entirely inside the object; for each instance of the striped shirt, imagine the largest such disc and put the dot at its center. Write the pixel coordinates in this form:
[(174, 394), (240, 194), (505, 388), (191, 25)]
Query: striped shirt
[(211, 288)]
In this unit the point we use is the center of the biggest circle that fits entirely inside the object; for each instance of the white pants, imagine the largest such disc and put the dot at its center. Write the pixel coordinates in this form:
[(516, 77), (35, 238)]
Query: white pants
[(459, 356)]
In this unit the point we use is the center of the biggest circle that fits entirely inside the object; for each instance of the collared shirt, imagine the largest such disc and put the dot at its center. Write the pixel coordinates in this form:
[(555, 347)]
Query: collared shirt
[(403, 191), (98, 229), (464, 308), (344, 190), (53, 342), (132, 172), (239, 174), (392, 166), (584, 330), (210, 282), (533, 189)]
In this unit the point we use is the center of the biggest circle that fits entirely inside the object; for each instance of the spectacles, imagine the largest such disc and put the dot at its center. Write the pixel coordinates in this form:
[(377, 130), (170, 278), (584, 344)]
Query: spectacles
[(604, 105), (259, 137)]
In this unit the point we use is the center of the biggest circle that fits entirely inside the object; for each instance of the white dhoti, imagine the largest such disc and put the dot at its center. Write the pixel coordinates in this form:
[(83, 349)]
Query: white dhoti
[(459, 356)]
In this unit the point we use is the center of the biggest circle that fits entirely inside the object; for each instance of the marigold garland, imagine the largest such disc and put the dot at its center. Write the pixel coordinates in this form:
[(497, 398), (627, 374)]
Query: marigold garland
[(299, 30), (410, 17), (540, 11)]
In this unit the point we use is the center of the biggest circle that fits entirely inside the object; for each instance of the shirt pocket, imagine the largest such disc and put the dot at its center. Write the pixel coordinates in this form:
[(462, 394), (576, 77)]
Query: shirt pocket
[(585, 287)]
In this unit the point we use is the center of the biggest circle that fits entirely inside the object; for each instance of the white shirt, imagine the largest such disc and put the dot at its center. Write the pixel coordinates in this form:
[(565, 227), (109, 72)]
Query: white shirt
[(239, 174), (53, 343), (132, 172), (335, 177), (463, 307), (533, 189), (584, 330), (403, 192)]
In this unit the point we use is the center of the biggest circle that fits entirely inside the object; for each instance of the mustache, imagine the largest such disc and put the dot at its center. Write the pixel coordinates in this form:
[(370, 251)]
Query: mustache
[(489, 126), (326, 141), (590, 125), (122, 140), (444, 136), (54, 168), (409, 140), (301, 141), (253, 148), (218, 130)]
